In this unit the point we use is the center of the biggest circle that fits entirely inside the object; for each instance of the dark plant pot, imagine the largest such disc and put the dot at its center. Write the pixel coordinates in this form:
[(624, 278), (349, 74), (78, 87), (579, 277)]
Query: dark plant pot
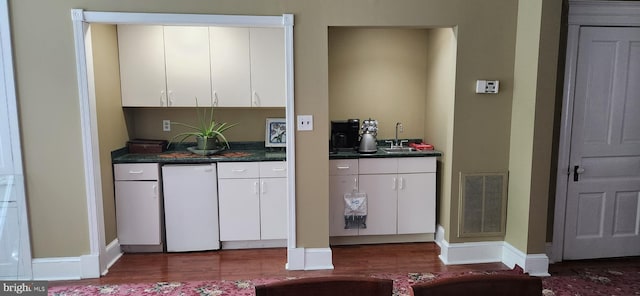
[(209, 144)]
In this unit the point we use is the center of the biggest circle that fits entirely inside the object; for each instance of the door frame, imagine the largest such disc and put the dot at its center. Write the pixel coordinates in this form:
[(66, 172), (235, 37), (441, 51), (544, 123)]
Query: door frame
[(81, 20), (8, 86), (581, 13)]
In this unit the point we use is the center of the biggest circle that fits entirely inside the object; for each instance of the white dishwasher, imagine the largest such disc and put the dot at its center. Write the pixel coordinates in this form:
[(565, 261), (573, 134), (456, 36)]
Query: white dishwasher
[(191, 207)]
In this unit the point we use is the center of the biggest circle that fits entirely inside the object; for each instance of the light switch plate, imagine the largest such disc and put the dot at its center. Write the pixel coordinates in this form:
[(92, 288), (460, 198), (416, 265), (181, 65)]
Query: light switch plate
[(487, 86), (305, 122)]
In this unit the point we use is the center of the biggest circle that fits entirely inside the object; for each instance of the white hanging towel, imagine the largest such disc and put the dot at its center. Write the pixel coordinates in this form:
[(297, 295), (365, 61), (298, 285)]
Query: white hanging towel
[(355, 210)]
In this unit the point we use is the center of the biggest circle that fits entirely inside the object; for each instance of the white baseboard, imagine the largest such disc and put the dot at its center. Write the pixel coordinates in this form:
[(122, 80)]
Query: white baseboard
[(309, 259), (66, 268), (111, 255), (485, 252)]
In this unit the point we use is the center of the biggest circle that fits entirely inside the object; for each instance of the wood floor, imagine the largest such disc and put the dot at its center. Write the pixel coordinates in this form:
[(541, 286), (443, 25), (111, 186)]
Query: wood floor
[(262, 263)]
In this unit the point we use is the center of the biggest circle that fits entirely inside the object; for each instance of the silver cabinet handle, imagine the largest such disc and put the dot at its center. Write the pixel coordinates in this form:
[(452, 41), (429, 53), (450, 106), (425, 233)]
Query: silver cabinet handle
[(255, 187), (278, 169), (401, 183), (163, 98), (256, 102), (238, 170), (263, 187), (136, 172), (171, 97), (355, 183), (343, 167), (215, 98), (394, 183)]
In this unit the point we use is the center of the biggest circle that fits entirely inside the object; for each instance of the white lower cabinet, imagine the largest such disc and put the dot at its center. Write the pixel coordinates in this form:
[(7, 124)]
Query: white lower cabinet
[(252, 198), (343, 179), (138, 200), (400, 195)]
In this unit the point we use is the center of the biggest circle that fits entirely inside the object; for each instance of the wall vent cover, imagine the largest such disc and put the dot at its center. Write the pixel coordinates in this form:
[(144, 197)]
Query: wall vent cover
[(483, 204)]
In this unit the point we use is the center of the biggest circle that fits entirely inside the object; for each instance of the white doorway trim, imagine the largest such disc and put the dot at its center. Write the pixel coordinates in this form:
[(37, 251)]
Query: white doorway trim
[(81, 21), (581, 13), (9, 99)]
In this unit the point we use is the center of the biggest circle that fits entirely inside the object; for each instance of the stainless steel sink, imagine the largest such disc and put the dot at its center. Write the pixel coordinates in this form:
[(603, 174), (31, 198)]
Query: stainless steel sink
[(398, 149)]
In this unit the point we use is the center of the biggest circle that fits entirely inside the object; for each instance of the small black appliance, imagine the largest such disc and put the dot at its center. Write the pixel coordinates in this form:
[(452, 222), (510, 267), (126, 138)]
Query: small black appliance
[(344, 134)]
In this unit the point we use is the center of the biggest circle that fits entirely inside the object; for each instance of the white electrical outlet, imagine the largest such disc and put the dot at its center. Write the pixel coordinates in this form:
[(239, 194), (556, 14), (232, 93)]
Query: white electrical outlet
[(487, 86), (166, 125), (305, 122)]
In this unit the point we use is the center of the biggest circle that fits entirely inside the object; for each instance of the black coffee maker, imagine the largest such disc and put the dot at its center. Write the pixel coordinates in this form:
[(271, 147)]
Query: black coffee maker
[(344, 135)]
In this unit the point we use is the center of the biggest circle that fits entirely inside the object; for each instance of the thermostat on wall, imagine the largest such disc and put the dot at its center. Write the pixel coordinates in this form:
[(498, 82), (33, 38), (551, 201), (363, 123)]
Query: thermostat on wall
[(487, 86)]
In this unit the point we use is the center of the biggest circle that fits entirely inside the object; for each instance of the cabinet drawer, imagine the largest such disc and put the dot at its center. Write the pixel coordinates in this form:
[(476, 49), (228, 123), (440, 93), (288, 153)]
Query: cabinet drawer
[(235, 170), (136, 171), (273, 169), (339, 167), (378, 166), (417, 165)]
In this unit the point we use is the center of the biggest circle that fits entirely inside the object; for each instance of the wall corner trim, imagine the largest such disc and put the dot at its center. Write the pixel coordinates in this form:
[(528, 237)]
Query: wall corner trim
[(111, 255), (494, 251), (309, 259), (66, 268)]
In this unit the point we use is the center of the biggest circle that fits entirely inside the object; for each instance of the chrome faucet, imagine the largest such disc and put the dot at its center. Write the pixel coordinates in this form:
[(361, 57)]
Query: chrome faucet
[(399, 127)]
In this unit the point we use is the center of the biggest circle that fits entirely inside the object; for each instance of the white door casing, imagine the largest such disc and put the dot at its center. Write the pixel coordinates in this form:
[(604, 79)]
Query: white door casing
[(583, 14), (82, 19), (603, 195), (15, 248)]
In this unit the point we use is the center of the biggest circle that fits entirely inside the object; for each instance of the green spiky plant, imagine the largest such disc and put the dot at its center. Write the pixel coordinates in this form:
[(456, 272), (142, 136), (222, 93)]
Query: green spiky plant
[(206, 128)]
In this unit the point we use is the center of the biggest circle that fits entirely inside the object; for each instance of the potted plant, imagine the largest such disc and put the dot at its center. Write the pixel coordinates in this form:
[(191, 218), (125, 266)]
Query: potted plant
[(208, 132)]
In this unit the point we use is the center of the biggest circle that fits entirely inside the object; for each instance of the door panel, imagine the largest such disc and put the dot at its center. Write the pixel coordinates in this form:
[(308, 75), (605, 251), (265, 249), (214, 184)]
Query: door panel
[(603, 200)]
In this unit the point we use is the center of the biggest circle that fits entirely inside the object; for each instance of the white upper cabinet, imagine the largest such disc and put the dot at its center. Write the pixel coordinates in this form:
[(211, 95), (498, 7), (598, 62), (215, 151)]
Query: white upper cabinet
[(230, 66), (267, 67), (142, 67), (171, 66), (187, 66)]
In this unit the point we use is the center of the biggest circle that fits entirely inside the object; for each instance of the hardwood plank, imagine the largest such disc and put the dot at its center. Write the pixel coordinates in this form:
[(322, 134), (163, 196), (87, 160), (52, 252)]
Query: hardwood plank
[(263, 263)]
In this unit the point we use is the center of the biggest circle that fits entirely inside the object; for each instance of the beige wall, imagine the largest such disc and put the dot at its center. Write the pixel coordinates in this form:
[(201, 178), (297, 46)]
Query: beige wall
[(147, 122), (112, 130), (48, 98), (440, 85), (531, 134), (379, 74)]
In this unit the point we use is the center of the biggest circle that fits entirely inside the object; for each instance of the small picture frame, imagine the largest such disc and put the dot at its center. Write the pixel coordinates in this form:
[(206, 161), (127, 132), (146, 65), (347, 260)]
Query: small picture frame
[(276, 133)]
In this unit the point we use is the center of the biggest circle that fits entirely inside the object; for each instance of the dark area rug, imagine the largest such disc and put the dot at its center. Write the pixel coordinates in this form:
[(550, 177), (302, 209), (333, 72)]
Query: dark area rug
[(620, 280)]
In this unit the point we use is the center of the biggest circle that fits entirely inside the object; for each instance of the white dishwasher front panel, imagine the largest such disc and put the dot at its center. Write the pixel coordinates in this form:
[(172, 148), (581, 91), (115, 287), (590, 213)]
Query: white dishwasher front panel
[(191, 207)]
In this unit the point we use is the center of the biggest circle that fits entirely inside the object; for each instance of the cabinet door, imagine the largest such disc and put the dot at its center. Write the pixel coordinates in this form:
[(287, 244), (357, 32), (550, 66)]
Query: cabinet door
[(230, 66), (138, 212), (382, 203), (267, 67), (239, 209), (416, 203), (273, 208), (188, 66), (338, 187), (142, 68)]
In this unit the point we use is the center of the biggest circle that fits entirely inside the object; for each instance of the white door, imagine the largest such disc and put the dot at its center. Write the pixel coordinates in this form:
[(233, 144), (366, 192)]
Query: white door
[(416, 203), (188, 66), (142, 68), (138, 212), (338, 187), (603, 196), (230, 66), (382, 203), (267, 67), (239, 209), (273, 208)]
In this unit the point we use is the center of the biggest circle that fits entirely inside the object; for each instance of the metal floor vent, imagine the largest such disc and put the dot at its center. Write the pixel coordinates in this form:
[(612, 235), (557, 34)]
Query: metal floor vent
[(483, 204)]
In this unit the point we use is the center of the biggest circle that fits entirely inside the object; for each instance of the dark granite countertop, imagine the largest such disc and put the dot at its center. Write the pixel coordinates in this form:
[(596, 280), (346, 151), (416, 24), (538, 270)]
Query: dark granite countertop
[(238, 151), (382, 154), (246, 151)]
